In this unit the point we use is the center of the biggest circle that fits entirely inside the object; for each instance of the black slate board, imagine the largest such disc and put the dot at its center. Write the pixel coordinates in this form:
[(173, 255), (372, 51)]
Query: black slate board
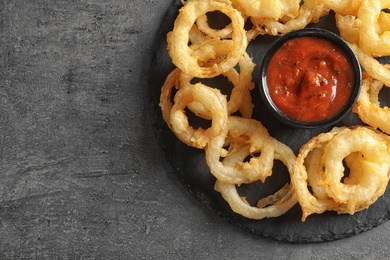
[(190, 167)]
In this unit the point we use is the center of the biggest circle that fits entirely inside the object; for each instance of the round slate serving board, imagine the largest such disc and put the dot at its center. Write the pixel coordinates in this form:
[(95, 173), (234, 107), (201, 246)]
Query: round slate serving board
[(191, 169)]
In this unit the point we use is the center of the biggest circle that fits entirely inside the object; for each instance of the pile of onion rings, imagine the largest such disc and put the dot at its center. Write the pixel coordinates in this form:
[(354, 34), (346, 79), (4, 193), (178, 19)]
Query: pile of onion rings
[(238, 149)]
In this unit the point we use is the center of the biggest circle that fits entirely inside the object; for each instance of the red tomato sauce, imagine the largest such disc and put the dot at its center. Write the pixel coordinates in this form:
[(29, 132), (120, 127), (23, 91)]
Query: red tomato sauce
[(309, 79)]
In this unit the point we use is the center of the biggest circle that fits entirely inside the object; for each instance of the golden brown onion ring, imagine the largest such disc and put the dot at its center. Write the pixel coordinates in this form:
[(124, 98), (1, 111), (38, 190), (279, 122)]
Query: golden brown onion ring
[(375, 166), (319, 165), (372, 42), (178, 39), (242, 83), (212, 100), (272, 206), (257, 137)]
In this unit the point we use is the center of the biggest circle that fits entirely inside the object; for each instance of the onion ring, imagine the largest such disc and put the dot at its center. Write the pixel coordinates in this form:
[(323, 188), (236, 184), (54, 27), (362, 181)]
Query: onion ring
[(320, 164), (271, 206), (181, 53), (258, 168), (375, 166), (370, 41), (242, 83), (212, 100)]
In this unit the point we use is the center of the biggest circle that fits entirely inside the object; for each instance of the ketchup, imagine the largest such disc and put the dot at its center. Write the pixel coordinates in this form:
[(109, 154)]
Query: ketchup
[(309, 79)]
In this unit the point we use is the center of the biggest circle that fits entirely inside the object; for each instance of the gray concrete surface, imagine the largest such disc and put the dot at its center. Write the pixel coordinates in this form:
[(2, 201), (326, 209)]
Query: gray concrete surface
[(80, 174)]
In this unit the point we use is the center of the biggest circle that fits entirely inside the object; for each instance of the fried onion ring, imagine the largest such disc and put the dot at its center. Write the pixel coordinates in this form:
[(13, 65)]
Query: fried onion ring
[(258, 167), (212, 100), (272, 206), (181, 54), (319, 165), (375, 166), (371, 39), (242, 83)]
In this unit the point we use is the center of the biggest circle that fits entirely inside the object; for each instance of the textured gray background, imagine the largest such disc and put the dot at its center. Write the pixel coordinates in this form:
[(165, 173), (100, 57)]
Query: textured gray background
[(81, 176)]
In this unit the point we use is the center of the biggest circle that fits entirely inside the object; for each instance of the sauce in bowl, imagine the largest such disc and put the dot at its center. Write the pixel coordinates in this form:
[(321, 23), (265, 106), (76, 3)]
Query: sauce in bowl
[(309, 79)]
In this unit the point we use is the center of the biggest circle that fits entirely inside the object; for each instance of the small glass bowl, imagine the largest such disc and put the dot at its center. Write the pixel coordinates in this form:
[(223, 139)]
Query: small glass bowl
[(319, 33)]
